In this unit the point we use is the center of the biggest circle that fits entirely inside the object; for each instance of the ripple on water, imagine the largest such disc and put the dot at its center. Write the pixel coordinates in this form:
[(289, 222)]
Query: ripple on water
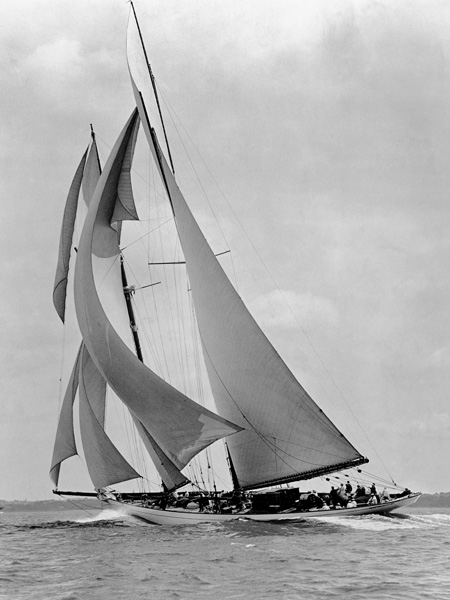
[(85, 557)]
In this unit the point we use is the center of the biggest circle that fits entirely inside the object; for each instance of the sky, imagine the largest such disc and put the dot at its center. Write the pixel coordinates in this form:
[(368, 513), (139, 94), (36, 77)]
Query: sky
[(327, 127)]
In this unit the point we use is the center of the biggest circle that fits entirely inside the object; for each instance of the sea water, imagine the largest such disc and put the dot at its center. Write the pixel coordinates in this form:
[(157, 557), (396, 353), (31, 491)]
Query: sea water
[(97, 554)]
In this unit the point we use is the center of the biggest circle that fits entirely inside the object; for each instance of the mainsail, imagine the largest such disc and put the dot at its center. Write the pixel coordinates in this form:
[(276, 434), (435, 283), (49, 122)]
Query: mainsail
[(285, 436)]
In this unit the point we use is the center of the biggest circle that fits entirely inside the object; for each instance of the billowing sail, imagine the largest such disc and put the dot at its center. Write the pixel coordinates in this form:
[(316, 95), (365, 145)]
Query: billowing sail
[(169, 473), (91, 173), (105, 464), (65, 445), (180, 427), (285, 436), (86, 177), (65, 241)]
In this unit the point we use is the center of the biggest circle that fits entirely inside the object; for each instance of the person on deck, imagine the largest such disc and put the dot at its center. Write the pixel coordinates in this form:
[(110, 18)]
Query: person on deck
[(315, 501), (385, 496), (351, 502), (373, 490), (342, 496), (333, 496)]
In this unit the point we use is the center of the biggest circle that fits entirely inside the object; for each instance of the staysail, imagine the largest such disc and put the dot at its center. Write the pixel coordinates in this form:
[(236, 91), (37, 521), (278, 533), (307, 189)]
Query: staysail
[(285, 436), (179, 426)]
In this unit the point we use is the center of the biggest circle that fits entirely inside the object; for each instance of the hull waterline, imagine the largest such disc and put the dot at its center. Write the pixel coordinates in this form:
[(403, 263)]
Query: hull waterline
[(187, 517)]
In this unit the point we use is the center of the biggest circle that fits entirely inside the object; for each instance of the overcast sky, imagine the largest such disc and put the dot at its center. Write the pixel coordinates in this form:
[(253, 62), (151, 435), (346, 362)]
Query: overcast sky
[(327, 126)]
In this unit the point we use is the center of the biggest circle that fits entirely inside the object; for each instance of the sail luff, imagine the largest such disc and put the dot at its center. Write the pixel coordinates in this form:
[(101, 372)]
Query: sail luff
[(65, 241)]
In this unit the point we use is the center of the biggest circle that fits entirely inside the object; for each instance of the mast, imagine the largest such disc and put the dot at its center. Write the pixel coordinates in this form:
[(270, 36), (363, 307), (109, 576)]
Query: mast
[(155, 91), (94, 143), (128, 291), (234, 477)]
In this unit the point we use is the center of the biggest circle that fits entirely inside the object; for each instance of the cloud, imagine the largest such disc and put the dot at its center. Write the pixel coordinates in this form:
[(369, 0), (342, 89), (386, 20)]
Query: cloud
[(326, 122), (283, 309), (434, 424), (61, 58)]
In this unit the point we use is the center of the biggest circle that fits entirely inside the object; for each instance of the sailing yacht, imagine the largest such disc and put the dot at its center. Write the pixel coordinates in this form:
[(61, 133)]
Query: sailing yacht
[(276, 435)]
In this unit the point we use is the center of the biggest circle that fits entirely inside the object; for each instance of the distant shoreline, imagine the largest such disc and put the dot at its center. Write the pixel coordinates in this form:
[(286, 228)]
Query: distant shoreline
[(439, 500)]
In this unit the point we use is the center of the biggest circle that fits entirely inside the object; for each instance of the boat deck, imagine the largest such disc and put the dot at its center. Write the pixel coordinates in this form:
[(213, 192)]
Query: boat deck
[(183, 516)]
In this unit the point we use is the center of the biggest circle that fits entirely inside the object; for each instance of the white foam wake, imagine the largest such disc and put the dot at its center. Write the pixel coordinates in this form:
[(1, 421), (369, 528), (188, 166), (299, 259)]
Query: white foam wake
[(394, 521), (107, 514)]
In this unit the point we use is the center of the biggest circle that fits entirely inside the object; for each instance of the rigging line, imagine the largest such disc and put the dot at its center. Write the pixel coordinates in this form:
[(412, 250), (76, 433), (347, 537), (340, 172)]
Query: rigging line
[(177, 321), (330, 376), (171, 109), (167, 306), (151, 339), (175, 352), (147, 234), (80, 506), (378, 478), (182, 318)]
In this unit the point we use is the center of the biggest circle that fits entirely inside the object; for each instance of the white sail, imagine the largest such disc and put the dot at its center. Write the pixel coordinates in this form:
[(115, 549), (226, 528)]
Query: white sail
[(65, 445), (86, 178), (170, 474), (91, 173), (285, 436), (105, 464), (179, 426), (65, 242)]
